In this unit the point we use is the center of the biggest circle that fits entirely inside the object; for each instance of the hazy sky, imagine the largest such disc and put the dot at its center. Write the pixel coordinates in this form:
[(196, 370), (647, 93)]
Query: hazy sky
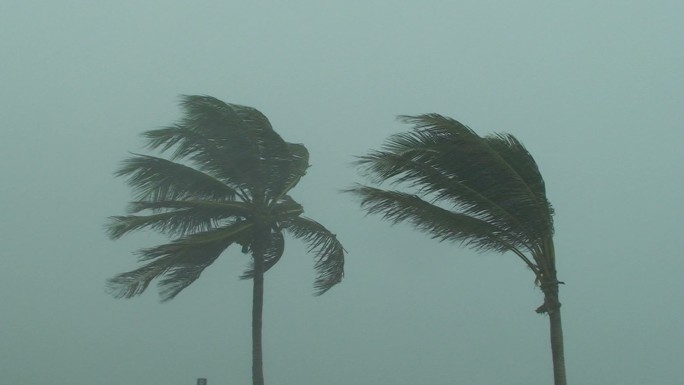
[(594, 89)]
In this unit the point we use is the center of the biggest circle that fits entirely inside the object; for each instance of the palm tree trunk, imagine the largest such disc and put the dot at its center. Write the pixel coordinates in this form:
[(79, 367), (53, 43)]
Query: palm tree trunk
[(257, 312), (552, 307), (557, 347)]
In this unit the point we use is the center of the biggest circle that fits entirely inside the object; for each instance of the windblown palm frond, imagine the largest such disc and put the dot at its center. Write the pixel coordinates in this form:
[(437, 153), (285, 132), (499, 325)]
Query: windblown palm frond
[(178, 217), (329, 253), (287, 170), (234, 143), (178, 263), (224, 158), (439, 223), (160, 179)]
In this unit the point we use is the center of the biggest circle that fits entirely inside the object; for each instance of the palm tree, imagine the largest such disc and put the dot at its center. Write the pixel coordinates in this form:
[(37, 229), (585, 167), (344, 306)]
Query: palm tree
[(226, 183), (484, 192)]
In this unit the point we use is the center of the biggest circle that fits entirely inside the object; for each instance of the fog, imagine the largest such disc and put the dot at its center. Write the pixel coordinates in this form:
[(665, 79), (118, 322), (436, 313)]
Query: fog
[(593, 89)]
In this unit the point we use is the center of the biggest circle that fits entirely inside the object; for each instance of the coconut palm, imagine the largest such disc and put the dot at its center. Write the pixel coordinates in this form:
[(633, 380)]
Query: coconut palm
[(226, 183), (484, 192)]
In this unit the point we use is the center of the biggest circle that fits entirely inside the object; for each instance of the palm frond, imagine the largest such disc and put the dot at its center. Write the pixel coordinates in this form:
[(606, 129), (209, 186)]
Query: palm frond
[(230, 141), (439, 223), (174, 222), (177, 217), (402, 169), (514, 153), (258, 143), (235, 232), (286, 208), (286, 170), (329, 253), (262, 136), (156, 178), (135, 282), (224, 153), (220, 208), (174, 271), (281, 164), (177, 264)]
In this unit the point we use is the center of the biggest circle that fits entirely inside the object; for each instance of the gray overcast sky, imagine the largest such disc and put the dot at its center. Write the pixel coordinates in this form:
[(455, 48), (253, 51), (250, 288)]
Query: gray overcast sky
[(594, 89)]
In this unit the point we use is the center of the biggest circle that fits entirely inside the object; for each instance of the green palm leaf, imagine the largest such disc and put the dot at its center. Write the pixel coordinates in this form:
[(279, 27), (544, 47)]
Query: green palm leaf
[(178, 263), (286, 171), (439, 223), (178, 217), (329, 253), (226, 158), (160, 179)]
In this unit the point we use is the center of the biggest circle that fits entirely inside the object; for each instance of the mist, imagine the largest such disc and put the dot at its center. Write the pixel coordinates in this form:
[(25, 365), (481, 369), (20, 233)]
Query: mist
[(594, 91)]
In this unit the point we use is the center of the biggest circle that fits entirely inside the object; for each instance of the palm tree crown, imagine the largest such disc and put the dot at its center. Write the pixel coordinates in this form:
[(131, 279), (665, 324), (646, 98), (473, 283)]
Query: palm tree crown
[(484, 192), (226, 182)]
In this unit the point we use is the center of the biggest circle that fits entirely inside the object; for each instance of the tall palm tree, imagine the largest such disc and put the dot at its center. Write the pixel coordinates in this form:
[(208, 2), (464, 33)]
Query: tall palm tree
[(484, 192), (225, 183)]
